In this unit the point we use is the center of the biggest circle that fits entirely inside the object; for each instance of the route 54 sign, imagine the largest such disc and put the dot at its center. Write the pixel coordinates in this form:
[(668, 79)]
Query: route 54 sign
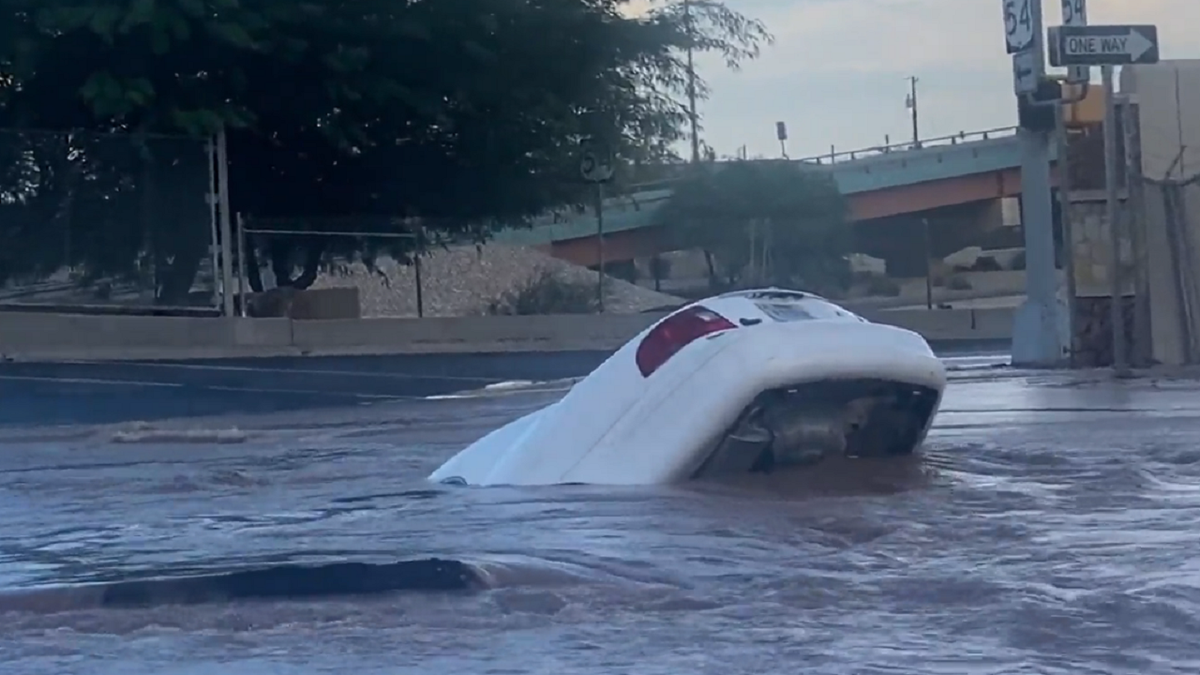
[(595, 163), (1018, 25)]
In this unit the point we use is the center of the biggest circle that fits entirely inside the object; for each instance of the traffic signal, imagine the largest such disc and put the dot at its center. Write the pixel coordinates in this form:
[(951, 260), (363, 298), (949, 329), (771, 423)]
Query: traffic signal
[(1038, 111)]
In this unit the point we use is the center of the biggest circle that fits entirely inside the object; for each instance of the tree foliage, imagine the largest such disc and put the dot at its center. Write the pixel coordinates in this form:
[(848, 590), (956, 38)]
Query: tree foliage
[(462, 114), (763, 221)]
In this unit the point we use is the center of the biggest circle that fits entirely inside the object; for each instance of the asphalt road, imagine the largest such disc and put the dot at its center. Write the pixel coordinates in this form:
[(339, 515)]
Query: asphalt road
[(107, 392), (95, 392)]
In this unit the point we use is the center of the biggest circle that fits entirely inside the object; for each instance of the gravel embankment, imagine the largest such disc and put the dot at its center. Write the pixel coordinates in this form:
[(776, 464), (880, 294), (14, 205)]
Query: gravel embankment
[(461, 281)]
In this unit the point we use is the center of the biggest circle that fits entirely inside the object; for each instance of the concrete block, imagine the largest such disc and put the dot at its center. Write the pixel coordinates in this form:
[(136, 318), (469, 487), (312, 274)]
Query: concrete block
[(340, 302)]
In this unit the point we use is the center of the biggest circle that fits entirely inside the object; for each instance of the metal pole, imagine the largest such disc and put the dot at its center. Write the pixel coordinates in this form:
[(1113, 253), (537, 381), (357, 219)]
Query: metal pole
[(1112, 212), (915, 134), (691, 81), (600, 245), (242, 262), (1135, 205), (1068, 231), (417, 272), (1040, 330), (928, 263), (226, 226), (211, 148)]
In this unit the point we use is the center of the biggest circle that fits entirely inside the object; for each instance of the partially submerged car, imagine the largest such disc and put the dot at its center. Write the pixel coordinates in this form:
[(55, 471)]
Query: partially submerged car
[(741, 382)]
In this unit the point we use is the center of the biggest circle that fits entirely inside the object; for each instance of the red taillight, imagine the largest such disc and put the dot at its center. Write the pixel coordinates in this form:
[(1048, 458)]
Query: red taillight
[(676, 332)]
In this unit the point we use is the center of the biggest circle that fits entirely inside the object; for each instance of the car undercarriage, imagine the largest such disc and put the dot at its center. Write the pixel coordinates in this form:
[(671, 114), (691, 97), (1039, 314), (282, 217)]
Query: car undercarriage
[(804, 424)]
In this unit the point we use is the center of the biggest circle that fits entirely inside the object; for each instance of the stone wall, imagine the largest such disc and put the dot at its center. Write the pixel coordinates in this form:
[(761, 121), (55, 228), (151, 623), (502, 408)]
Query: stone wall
[(1091, 239), (1093, 331)]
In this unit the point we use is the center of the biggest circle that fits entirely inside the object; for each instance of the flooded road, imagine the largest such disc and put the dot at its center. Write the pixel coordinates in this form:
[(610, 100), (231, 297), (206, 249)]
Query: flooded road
[(1050, 527)]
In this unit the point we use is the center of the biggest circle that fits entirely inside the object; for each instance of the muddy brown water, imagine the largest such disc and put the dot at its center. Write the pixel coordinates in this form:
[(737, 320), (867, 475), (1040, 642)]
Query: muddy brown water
[(1051, 526)]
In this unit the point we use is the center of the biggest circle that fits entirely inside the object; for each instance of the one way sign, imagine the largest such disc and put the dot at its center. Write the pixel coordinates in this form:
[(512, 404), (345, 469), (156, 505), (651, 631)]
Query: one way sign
[(1103, 45)]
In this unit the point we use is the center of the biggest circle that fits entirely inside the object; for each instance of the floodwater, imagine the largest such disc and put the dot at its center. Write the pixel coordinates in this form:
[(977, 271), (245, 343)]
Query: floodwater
[(1052, 526)]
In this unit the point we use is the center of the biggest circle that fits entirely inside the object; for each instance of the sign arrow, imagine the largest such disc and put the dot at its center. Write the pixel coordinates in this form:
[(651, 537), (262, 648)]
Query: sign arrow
[(1025, 72), (1138, 45), (1104, 45)]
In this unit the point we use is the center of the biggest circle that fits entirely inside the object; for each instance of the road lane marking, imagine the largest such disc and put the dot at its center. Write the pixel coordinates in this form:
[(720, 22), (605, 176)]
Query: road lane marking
[(297, 371), (89, 380)]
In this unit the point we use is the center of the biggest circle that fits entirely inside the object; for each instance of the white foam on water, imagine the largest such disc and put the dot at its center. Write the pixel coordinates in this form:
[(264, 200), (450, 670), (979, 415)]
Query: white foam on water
[(509, 387), (511, 384), (984, 362), (148, 434)]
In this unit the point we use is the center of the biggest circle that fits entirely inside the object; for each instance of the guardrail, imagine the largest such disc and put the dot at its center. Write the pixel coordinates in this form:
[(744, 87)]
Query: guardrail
[(834, 156), (49, 337)]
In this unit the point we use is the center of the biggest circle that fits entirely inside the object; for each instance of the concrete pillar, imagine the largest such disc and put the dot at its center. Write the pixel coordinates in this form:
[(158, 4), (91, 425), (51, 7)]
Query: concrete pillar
[(1168, 96)]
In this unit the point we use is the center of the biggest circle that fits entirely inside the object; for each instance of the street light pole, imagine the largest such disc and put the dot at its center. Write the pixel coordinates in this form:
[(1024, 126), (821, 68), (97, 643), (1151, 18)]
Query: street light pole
[(691, 80), (912, 105)]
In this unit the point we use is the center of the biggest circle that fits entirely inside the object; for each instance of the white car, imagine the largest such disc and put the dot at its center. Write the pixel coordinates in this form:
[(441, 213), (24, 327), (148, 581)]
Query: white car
[(746, 381)]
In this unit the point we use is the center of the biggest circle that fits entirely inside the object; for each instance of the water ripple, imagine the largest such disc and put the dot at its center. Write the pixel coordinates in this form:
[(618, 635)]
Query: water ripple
[(1030, 538)]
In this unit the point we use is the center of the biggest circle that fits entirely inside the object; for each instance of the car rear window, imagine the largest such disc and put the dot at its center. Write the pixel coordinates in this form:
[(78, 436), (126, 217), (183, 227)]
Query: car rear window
[(784, 311), (803, 310)]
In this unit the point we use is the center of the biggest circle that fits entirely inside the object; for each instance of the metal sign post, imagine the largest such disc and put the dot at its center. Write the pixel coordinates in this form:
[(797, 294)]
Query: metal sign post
[(1074, 13), (1041, 332), (596, 167), (226, 226)]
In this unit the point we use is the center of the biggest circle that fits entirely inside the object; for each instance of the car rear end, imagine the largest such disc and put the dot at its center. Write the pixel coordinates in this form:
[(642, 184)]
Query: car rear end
[(709, 366)]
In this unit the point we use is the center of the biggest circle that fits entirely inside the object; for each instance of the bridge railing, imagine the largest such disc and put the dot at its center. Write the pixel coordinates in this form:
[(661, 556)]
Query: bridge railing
[(834, 156)]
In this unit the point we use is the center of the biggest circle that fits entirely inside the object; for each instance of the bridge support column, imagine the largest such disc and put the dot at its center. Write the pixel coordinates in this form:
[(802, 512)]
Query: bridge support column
[(1042, 330)]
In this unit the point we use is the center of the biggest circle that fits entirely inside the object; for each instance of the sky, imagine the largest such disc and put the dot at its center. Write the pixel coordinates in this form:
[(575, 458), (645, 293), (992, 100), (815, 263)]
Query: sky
[(836, 73)]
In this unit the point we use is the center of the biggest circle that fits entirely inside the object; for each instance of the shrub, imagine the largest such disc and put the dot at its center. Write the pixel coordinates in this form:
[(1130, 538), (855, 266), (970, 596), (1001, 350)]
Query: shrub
[(625, 270), (986, 263), (878, 285), (660, 267), (547, 293), (957, 283)]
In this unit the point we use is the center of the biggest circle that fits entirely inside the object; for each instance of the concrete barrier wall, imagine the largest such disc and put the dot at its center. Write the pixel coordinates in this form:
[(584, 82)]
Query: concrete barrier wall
[(1168, 96), (36, 336), (951, 325), (471, 334)]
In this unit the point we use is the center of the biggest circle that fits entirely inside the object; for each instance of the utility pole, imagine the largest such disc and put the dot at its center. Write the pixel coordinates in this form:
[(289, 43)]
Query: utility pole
[(691, 80), (912, 106)]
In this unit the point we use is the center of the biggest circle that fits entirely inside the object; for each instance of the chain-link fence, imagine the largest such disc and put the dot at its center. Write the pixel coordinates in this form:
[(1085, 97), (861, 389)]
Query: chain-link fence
[(91, 219), (356, 266), (1173, 204), (373, 267)]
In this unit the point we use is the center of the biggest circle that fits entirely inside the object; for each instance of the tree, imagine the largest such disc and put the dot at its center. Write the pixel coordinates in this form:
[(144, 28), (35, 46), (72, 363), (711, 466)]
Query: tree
[(763, 221), (459, 114)]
